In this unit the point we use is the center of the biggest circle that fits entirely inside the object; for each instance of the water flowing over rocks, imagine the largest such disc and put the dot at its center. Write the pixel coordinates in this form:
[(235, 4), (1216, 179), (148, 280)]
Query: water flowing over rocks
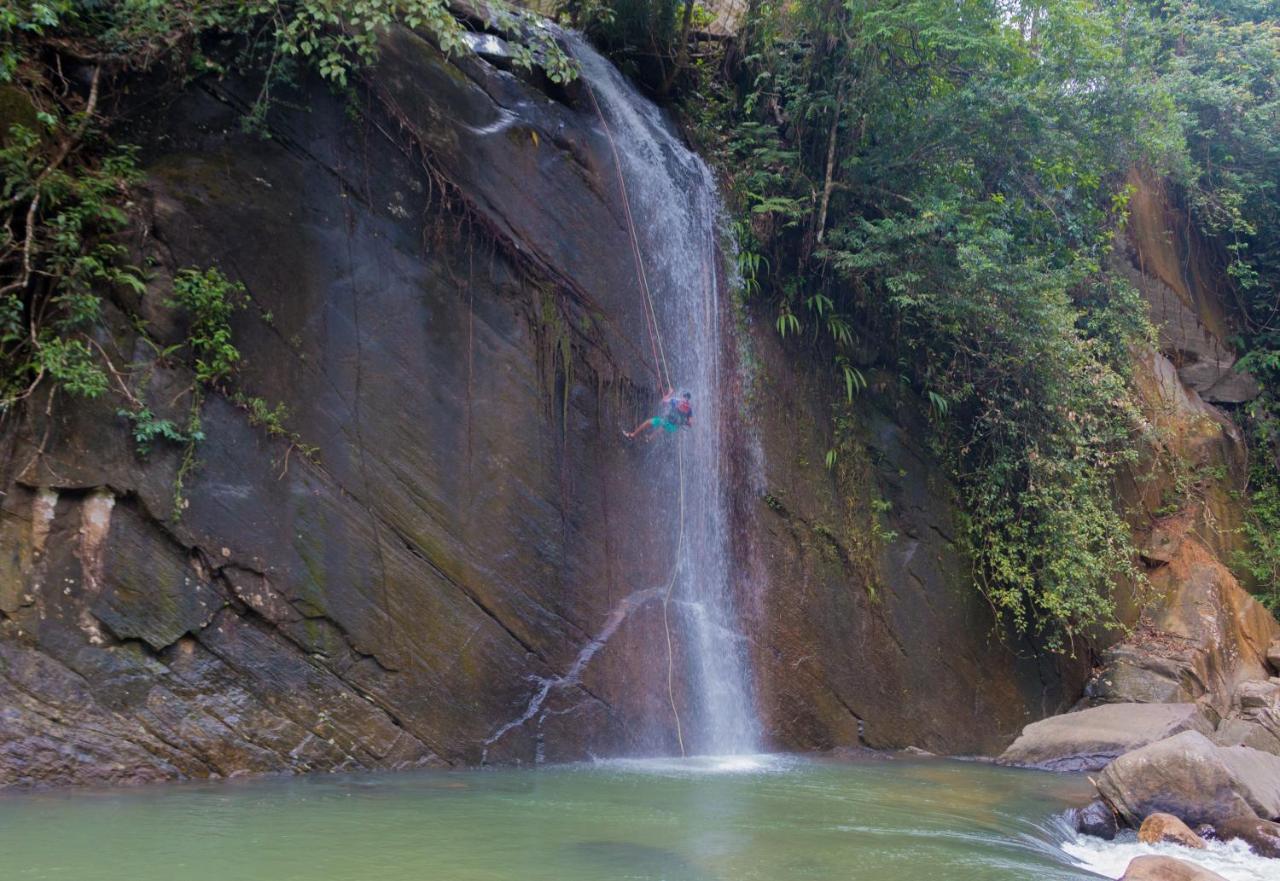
[(1158, 828), (1262, 836)]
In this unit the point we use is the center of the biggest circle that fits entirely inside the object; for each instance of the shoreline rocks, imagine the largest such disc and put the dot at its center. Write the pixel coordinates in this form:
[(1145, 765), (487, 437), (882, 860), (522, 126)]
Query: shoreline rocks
[(1262, 836), (1086, 740), (1187, 775), (1166, 828), (1160, 868)]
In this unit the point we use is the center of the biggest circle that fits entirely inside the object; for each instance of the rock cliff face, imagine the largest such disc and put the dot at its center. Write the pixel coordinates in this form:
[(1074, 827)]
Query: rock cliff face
[(1199, 649), (870, 630), (440, 291)]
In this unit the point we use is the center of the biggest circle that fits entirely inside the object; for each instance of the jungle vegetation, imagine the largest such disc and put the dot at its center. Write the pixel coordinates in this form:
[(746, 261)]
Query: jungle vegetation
[(929, 191)]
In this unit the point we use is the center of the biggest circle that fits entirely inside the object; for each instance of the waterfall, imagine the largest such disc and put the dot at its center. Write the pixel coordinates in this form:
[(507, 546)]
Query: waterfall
[(676, 207)]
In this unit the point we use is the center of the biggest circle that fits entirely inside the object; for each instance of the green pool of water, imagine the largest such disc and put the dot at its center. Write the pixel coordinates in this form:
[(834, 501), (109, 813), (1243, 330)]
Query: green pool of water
[(773, 819)]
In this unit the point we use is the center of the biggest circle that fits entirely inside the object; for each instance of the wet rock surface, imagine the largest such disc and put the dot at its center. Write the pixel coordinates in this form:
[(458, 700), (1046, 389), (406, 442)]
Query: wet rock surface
[(866, 628), (467, 568), (1096, 819), (1166, 828), (467, 528), (1262, 836)]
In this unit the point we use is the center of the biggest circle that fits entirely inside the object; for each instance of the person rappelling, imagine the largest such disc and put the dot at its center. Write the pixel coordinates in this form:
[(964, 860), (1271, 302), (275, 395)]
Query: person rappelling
[(677, 413)]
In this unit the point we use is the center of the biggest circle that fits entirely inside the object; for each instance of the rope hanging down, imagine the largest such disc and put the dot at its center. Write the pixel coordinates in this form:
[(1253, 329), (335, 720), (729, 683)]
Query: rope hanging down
[(650, 314), (664, 378)]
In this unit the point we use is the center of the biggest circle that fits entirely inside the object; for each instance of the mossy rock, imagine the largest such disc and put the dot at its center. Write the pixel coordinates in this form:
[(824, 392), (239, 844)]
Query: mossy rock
[(15, 109)]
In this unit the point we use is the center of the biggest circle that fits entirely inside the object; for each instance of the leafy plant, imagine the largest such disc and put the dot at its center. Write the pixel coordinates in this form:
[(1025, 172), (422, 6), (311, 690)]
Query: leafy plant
[(930, 183), (210, 300), (147, 428)]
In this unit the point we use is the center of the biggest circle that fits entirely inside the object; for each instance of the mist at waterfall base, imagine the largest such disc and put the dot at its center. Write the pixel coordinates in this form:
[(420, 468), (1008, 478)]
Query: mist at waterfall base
[(787, 819)]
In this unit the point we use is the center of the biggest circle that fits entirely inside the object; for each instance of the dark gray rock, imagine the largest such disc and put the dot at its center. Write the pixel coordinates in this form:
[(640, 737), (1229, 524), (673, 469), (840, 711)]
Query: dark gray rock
[(1096, 819)]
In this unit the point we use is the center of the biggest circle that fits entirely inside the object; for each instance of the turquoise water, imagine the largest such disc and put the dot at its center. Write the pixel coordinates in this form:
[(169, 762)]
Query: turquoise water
[(701, 820)]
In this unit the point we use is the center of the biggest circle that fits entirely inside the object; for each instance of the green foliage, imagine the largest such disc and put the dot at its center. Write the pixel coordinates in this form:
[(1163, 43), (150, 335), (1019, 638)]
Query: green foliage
[(1222, 61), (273, 420), (1260, 559), (147, 428), (209, 300), (56, 269), (946, 178)]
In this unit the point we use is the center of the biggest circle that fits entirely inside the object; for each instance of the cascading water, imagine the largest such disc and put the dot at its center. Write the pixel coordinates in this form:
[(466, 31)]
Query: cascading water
[(676, 210)]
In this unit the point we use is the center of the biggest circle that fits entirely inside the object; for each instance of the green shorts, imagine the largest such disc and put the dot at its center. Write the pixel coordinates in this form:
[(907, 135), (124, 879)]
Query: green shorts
[(659, 422)]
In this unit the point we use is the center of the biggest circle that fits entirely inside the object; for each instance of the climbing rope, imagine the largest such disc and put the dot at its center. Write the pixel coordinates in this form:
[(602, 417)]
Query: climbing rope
[(650, 314), (664, 378), (666, 601)]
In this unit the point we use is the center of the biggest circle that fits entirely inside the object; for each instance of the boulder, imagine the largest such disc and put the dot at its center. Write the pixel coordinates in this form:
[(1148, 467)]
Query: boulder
[(1207, 832), (1205, 638), (1262, 836), (1189, 776), (1259, 730), (1154, 868), (1087, 740), (1096, 819), (1258, 694), (1273, 655), (1159, 828)]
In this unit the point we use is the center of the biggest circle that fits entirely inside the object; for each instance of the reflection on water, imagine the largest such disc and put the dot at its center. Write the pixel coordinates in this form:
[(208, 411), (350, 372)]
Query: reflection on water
[(740, 818)]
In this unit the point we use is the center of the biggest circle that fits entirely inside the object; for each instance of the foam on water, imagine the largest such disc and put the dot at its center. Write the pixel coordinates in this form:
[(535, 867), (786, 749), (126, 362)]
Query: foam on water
[(1233, 860), (763, 763)]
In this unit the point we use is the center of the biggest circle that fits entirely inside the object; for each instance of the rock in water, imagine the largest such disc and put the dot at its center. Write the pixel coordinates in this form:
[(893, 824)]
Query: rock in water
[(1262, 836), (1153, 868), (1096, 819), (1188, 776), (1088, 739), (1159, 828)]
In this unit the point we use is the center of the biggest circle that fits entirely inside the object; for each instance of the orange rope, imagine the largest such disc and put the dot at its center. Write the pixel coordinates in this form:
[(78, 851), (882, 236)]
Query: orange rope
[(660, 360), (651, 315)]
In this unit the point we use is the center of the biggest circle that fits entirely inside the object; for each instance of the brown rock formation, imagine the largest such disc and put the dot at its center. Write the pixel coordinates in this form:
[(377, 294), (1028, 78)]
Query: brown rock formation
[(1160, 828), (1156, 868), (1188, 776)]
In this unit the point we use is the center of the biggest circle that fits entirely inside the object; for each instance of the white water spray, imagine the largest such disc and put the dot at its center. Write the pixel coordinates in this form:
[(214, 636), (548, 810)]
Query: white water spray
[(676, 209)]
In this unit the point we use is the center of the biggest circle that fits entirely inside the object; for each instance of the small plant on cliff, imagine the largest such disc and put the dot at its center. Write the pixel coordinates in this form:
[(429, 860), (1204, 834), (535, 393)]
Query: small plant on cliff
[(210, 299), (148, 428)]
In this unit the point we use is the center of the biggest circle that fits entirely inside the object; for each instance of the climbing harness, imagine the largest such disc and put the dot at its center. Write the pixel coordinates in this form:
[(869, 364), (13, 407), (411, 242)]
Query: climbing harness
[(664, 378)]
